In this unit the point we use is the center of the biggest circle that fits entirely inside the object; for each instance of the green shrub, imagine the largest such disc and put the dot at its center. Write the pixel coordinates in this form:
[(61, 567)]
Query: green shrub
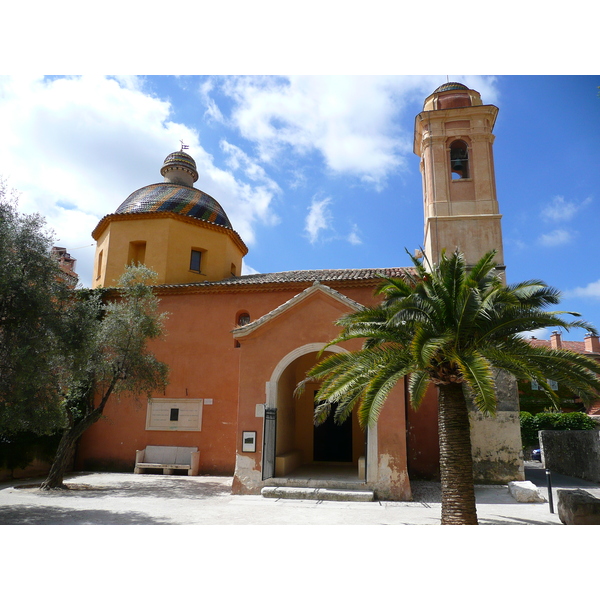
[(547, 420), (576, 421), (528, 429), (532, 424)]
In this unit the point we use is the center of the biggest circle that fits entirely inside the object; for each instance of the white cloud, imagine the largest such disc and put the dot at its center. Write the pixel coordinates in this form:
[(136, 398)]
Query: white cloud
[(560, 210), (212, 110), (558, 237), (318, 219), (350, 121), (76, 147), (591, 290), (247, 269), (353, 236), (538, 334)]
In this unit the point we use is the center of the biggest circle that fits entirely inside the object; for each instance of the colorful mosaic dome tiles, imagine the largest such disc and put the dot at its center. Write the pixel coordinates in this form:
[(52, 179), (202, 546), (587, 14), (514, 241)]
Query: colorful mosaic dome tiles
[(180, 199)]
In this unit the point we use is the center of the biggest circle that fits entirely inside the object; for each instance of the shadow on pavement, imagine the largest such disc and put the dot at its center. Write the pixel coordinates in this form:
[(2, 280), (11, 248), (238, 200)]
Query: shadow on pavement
[(172, 487), (502, 520), (50, 515)]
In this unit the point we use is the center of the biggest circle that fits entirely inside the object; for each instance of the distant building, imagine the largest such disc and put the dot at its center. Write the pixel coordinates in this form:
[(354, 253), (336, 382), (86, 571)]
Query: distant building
[(67, 265), (533, 400), (237, 345)]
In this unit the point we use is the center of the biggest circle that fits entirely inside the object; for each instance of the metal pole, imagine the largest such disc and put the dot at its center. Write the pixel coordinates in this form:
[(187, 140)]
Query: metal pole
[(549, 480)]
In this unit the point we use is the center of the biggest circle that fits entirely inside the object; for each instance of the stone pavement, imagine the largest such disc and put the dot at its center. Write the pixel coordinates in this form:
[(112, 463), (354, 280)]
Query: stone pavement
[(128, 499)]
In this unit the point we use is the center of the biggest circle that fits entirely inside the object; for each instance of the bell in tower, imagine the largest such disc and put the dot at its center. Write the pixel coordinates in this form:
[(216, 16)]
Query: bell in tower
[(459, 161)]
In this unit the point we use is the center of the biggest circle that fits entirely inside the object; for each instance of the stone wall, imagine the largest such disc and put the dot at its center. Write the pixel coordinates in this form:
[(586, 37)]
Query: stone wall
[(573, 453), (496, 441)]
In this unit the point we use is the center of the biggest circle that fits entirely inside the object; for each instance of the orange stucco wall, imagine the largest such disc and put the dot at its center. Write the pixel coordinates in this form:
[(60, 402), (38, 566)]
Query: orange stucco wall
[(204, 363), (261, 352), (422, 438)]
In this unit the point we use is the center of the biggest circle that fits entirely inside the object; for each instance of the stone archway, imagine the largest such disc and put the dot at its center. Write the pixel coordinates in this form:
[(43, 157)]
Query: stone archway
[(295, 432)]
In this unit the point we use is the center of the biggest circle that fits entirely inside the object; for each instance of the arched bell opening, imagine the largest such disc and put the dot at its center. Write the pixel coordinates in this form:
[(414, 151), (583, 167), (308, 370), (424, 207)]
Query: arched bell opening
[(459, 160)]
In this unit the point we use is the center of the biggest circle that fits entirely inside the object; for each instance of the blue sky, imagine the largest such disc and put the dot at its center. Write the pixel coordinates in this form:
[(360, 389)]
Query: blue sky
[(313, 171)]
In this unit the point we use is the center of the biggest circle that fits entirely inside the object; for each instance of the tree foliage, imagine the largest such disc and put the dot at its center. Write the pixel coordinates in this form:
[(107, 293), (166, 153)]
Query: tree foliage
[(450, 326), (110, 358), (64, 353), (32, 299)]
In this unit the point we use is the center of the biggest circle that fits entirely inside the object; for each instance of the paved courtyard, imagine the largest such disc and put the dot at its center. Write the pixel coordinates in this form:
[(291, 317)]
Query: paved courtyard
[(128, 499)]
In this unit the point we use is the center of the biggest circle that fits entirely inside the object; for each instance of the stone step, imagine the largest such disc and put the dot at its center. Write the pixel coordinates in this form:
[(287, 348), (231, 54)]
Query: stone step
[(308, 493)]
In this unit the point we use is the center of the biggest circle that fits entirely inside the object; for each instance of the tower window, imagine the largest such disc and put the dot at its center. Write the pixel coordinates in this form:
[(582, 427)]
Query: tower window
[(137, 252), (459, 160), (195, 261), (99, 265)]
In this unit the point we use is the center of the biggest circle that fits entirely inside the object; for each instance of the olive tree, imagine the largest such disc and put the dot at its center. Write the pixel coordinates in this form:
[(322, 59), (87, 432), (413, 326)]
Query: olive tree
[(112, 358), (32, 299)]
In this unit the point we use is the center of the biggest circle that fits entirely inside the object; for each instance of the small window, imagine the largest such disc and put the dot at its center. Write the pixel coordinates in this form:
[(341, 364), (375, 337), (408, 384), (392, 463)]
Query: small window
[(174, 414), (137, 253), (243, 319), (99, 265), (459, 160), (195, 261), (553, 384)]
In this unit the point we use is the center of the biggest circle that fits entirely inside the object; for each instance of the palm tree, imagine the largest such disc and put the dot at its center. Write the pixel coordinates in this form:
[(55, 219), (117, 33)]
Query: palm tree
[(451, 326)]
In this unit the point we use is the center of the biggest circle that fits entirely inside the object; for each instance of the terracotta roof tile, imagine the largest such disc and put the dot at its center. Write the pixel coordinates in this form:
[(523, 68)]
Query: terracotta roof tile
[(566, 345), (308, 276)]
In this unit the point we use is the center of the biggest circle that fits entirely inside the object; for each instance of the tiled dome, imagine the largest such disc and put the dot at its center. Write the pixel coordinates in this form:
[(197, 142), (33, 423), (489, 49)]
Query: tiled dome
[(180, 199), (452, 85)]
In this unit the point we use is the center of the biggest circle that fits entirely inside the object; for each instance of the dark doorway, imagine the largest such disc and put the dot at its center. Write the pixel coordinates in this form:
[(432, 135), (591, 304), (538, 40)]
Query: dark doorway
[(333, 442)]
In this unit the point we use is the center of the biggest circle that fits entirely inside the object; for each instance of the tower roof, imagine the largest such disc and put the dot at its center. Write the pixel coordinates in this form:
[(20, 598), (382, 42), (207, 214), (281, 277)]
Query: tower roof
[(452, 85), (452, 95)]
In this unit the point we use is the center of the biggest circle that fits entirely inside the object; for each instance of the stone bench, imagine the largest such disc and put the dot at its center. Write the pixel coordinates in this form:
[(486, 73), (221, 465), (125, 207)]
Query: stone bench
[(578, 507), (168, 458)]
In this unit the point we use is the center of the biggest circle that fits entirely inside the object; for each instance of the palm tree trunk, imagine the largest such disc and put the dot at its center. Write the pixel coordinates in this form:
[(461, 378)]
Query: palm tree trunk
[(456, 459)]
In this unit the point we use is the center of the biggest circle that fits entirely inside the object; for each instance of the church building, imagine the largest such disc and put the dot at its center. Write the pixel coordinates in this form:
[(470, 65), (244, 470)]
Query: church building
[(238, 345)]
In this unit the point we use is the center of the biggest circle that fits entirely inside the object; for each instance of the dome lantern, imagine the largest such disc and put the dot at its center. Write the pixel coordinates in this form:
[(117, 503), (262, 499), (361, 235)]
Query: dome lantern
[(179, 168)]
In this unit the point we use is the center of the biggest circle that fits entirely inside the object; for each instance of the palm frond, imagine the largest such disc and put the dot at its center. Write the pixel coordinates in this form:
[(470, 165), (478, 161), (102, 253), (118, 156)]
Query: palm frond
[(447, 321), (418, 384), (479, 376)]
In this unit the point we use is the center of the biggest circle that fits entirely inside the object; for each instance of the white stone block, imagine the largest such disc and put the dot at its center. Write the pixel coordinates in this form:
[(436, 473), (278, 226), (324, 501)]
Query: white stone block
[(525, 491)]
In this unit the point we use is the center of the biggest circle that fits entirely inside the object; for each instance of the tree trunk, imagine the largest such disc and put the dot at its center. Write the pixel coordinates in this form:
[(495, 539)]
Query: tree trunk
[(66, 447), (61, 463), (456, 459)]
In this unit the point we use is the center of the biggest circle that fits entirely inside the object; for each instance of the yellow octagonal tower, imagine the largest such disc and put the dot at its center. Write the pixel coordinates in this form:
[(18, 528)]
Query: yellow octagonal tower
[(175, 229)]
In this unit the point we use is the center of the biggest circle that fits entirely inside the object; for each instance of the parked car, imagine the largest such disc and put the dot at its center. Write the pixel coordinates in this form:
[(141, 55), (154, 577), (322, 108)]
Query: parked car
[(536, 454)]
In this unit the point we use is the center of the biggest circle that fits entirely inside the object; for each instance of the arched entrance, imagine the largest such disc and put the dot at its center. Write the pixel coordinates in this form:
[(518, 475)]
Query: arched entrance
[(294, 446)]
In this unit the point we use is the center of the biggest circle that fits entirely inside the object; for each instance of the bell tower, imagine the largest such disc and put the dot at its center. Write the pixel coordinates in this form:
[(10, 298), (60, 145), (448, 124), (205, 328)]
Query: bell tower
[(453, 137)]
